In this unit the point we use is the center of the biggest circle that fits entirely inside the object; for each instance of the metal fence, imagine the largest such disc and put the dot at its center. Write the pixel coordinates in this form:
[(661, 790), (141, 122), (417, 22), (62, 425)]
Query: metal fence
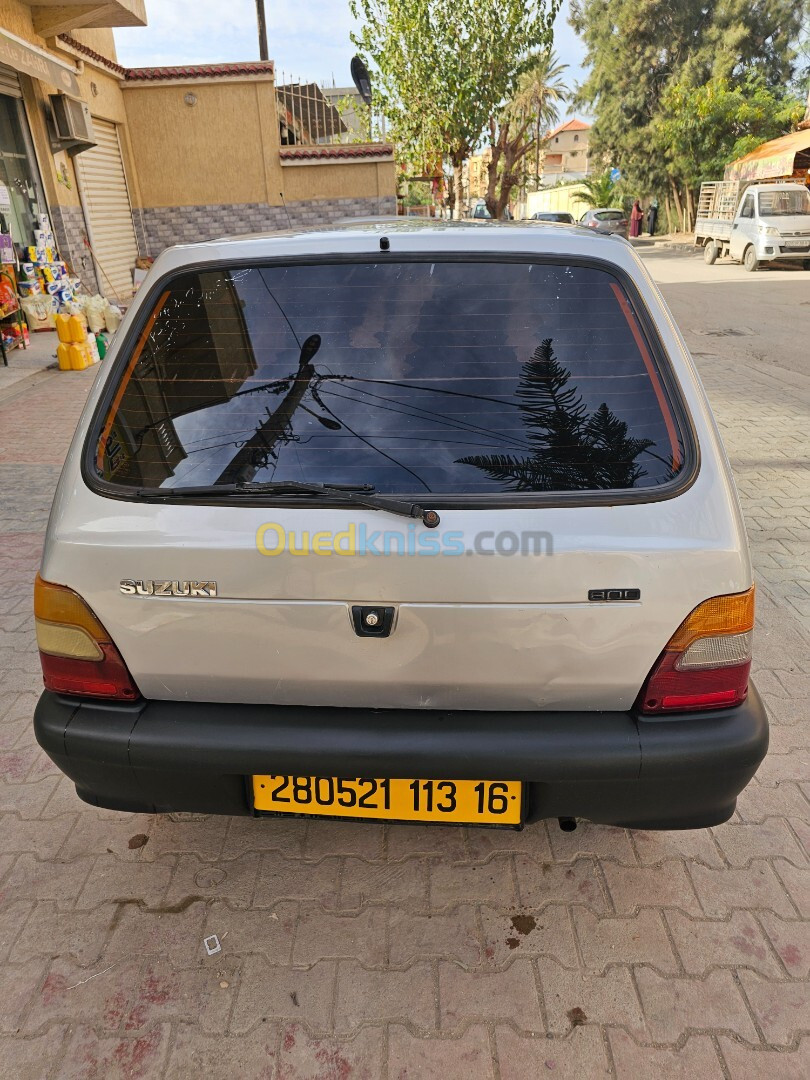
[(307, 116)]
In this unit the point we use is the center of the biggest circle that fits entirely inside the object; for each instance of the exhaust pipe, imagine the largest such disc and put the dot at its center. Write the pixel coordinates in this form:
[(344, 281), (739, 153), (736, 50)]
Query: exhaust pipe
[(567, 824)]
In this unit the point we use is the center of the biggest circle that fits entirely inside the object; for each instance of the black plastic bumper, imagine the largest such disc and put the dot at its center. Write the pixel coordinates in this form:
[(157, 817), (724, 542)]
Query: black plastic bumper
[(613, 768)]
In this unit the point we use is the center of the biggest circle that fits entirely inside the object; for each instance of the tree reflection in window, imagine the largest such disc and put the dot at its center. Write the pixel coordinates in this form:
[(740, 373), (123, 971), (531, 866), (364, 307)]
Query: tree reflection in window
[(572, 449)]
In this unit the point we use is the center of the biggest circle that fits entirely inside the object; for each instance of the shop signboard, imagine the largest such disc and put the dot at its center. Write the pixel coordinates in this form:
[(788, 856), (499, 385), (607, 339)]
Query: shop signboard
[(5, 199), (26, 58)]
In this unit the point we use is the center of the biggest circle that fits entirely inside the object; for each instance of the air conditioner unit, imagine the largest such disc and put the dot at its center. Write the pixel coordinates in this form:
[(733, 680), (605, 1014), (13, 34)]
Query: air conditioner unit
[(72, 122)]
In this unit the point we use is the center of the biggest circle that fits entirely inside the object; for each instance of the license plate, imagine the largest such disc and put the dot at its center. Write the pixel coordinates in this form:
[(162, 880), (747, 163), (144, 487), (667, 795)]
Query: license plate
[(471, 802), (798, 245)]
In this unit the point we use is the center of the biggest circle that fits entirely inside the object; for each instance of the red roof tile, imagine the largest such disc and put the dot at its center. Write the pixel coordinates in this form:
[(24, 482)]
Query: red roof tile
[(199, 71), (85, 50), (339, 150), (569, 125)]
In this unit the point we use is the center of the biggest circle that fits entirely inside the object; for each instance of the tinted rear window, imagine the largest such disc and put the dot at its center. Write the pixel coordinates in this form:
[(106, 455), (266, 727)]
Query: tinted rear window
[(450, 377), (610, 215)]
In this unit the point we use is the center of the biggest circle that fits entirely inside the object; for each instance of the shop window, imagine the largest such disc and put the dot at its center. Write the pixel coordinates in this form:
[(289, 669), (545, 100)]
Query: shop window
[(22, 201)]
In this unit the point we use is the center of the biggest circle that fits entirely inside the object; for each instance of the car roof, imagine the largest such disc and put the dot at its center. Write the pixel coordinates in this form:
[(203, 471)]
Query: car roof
[(405, 236)]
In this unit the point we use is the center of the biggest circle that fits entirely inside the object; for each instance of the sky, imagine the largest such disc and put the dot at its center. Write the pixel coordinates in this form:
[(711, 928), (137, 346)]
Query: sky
[(309, 39)]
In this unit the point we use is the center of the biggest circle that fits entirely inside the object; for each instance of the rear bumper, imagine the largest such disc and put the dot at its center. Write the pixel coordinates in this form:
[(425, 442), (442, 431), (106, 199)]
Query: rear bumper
[(612, 768)]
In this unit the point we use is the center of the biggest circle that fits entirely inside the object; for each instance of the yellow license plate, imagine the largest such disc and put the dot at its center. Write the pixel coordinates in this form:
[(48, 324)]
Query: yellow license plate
[(473, 802)]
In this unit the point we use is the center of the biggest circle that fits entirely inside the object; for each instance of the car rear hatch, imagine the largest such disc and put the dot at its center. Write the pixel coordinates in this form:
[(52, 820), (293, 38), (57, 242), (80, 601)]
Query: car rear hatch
[(528, 401)]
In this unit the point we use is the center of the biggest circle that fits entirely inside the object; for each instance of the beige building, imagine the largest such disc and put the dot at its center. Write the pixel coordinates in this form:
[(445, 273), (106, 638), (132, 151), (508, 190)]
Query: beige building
[(128, 161), (566, 155)]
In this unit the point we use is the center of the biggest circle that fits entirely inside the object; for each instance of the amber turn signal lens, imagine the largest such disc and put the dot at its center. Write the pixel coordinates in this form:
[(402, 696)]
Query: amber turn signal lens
[(77, 654), (732, 614)]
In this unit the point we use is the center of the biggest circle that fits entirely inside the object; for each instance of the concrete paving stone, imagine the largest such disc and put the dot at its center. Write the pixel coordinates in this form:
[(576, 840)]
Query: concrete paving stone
[(202, 994), (784, 767), (787, 738), (571, 998), (759, 801), (232, 880), (281, 878), (739, 942), (695, 1060), (489, 882), (797, 882), (90, 1056), (541, 883), (413, 1058), (601, 841), (18, 984), (51, 933), (316, 1057), (376, 997), (271, 992), (791, 940), (251, 1056), (125, 879), (638, 940), (285, 835), (696, 845), (756, 887), (13, 916), (532, 840), (94, 833), (358, 838), (408, 841), (758, 1063), (513, 932), (42, 839), (452, 936), (100, 995), (384, 883), (203, 837), (135, 931), (675, 1006), (250, 930), (27, 800), (508, 996), (14, 732), (31, 877), (578, 1055), (782, 1009), (772, 837), (31, 1058), (665, 886), (17, 765), (325, 935)]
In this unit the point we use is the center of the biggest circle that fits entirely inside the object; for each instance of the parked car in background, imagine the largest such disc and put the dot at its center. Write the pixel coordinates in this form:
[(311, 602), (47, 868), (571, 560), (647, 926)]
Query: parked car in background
[(432, 520), (480, 212), (554, 215), (611, 220)]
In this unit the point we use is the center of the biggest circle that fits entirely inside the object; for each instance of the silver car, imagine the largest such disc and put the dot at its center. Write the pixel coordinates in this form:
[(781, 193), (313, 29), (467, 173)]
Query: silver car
[(400, 521), (611, 220)]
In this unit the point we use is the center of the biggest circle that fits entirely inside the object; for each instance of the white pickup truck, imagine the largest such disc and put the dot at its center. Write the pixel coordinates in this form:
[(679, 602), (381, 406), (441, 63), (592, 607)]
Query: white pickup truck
[(754, 223)]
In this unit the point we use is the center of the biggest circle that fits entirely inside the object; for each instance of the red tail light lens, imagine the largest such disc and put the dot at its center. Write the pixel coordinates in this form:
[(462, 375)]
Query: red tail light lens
[(707, 661), (77, 654)]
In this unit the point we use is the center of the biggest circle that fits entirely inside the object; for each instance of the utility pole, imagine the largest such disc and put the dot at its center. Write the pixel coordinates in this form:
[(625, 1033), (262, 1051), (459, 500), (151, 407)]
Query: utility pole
[(264, 52)]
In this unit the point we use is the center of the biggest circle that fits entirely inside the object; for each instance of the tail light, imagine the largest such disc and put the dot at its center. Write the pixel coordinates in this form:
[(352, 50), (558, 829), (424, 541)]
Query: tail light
[(707, 661), (76, 652)]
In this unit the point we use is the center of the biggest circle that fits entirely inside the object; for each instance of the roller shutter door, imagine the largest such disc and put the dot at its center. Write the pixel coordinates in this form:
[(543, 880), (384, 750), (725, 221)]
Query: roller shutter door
[(107, 205), (9, 83)]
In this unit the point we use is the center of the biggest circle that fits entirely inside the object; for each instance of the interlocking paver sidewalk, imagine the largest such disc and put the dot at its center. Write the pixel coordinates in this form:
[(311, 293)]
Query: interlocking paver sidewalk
[(368, 951)]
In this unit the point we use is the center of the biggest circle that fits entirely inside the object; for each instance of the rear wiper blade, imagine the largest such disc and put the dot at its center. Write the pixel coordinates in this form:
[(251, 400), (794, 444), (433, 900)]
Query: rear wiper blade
[(354, 494)]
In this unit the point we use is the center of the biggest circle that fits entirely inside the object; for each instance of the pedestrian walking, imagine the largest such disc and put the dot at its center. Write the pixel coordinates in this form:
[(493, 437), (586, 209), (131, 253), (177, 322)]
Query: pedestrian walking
[(652, 217), (636, 218)]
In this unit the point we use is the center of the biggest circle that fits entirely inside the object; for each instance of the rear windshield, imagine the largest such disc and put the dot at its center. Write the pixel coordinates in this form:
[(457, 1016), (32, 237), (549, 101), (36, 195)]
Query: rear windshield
[(610, 215), (450, 377)]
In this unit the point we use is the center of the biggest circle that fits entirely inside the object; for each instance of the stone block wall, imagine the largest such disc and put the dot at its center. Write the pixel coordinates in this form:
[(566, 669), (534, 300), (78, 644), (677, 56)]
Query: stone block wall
[(157, 228), (70, 232)]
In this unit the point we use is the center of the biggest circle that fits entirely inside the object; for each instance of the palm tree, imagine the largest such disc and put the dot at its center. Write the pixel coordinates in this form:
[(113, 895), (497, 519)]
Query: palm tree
[(600, 191), (540, 92)]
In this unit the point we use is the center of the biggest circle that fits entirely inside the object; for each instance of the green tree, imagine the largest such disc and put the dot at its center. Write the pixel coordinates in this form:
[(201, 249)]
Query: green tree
[(600, 191), (637, 49), (541, 91), (702, 128), (444, 67)]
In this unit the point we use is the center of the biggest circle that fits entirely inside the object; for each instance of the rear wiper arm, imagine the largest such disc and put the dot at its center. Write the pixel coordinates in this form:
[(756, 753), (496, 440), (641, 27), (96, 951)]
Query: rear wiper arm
[(354, 494)]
